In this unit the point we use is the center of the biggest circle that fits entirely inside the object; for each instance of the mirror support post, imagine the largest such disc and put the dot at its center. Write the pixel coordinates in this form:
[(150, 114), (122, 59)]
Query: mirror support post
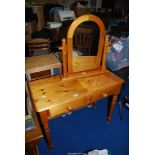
[(64, 56), (105, 51)]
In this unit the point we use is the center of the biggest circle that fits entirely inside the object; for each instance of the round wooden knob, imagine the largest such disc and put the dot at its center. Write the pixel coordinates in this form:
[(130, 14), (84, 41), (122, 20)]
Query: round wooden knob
[(89, 98), (104, 95), (69, 108)]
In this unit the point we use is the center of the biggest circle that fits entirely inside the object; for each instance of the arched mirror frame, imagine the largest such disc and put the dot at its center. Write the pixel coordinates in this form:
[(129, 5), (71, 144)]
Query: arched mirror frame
[(67, 49)]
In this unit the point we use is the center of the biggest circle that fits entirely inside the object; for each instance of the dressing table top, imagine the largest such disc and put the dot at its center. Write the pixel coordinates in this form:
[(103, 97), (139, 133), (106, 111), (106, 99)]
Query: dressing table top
[(52, 91)]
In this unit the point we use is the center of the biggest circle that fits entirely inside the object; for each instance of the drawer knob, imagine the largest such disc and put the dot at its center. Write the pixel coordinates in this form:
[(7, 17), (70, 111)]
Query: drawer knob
[(89, 98), (104, 95), (69, 108)]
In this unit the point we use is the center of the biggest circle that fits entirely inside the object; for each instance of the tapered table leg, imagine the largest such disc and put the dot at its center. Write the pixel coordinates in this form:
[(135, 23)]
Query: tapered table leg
[(35, 151), (113, 102), (44, 120)]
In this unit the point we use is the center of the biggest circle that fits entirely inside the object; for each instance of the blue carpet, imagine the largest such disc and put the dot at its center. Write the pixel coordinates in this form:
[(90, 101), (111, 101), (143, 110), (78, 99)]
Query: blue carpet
[(86, 129)]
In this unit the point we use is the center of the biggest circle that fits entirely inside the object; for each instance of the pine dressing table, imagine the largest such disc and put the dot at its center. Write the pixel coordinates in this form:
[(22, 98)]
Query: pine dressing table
[(84, 80)]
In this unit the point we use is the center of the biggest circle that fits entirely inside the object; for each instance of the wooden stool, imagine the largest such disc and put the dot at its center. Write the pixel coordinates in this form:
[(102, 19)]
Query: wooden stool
[(42, 66)]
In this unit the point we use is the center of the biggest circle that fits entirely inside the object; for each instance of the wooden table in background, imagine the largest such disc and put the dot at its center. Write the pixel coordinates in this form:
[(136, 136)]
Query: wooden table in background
[(53, 96), (33, 137), (41, 66)]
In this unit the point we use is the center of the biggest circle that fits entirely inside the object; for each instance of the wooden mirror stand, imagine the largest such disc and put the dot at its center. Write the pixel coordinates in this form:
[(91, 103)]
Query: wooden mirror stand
[(81, 66), (75, 88)]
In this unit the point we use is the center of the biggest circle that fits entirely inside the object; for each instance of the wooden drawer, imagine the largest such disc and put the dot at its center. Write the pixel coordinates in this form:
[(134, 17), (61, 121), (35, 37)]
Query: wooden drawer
[(41, 74), (100, 94), (77, 103), (68, 107), (96, 96)]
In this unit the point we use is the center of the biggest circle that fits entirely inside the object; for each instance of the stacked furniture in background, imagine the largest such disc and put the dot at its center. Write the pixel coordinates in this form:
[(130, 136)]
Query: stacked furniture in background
[(42, 66)]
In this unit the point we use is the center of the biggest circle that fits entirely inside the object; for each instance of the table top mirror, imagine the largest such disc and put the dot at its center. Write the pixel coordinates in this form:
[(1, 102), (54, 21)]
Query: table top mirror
[(84, 51)]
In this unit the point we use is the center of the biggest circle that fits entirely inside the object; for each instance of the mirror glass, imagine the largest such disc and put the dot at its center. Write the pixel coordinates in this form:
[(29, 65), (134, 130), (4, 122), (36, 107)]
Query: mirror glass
[(85, 46)]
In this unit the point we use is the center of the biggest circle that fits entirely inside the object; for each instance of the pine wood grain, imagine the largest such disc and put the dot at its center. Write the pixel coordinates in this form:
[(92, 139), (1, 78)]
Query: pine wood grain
[(52, 92)]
